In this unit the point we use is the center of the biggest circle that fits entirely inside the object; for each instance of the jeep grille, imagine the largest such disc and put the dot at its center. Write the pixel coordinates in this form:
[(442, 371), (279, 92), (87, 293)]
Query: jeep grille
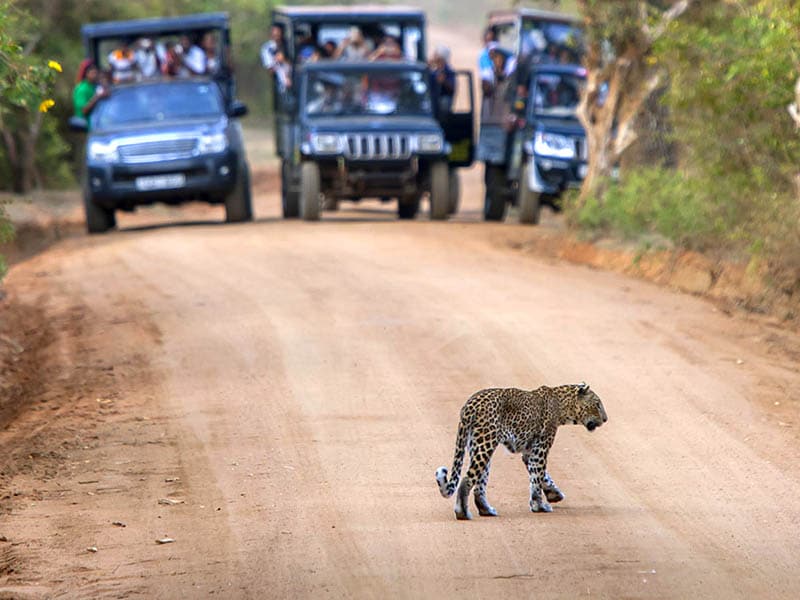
[(157, 150), (374, 146)]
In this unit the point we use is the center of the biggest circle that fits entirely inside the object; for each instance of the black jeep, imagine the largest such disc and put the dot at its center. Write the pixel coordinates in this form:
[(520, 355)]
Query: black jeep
[(368, 129), (531, 143), (163, 139), (351, 130)]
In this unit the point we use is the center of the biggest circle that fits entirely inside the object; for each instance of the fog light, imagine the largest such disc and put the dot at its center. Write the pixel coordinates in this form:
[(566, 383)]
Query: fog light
[(224, 170), (96, 182), (546, 165)]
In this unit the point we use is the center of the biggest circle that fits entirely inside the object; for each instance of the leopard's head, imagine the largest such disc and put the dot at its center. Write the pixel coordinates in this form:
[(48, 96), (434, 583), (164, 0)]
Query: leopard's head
[(588, 409)]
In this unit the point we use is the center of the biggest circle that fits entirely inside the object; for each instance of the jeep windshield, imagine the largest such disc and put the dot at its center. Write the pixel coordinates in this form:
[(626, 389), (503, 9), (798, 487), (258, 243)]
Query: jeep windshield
[(556, 94), (367, 92), (158, 102)]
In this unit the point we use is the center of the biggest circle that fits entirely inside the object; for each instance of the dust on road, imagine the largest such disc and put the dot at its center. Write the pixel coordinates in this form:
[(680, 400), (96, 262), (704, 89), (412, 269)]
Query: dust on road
[(293, 387)]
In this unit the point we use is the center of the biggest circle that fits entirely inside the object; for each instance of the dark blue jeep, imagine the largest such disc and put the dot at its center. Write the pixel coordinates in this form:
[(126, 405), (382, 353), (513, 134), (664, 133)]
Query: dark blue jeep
[(368, 130), (164, 139), (531, 143), (354, 129)]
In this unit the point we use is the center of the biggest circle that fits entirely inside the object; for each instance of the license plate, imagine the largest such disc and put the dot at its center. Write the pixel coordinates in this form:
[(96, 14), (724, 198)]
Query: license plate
[(160, 182), (582, 170)]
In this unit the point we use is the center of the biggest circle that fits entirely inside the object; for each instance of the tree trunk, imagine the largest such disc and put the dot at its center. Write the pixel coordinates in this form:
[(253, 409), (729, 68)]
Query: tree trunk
[(616, 90)]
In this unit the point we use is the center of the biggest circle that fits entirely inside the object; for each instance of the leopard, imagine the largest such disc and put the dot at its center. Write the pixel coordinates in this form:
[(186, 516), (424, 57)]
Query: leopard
[(524, 421)]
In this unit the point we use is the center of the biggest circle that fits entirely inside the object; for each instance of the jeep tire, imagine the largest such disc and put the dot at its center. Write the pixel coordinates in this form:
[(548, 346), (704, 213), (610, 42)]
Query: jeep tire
[(310, 201), (494, 204), (239, 203), (528, 201), (455, 192), (290, 199), (98, 218), (440, 190)]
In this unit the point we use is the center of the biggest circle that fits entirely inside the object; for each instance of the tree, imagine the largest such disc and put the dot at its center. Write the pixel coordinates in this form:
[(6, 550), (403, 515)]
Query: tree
[(26, 84), (621, 76)]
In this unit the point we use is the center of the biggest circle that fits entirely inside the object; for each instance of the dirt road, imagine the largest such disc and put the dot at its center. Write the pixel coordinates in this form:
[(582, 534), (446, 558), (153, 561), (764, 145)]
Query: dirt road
[(291, 388)]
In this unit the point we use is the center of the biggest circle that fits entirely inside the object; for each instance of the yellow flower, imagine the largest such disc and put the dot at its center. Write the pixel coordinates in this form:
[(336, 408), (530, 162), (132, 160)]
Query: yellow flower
[(47, 105), (54, 65)]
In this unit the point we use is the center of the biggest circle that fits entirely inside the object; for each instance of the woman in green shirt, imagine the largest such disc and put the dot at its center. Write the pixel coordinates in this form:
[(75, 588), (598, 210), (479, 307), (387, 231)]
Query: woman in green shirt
[(86, 95)]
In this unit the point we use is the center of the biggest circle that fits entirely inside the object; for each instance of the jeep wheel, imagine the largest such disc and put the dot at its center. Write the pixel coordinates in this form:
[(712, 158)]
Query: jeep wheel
[(455, 192), (290, 199), (98, 218), (440, 190), (494, 204), (239, 203), (408, 207), (310, 202), (528, 201)]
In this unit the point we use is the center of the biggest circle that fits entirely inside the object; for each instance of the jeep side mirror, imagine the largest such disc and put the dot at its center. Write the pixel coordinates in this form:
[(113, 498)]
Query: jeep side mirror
[(237, 109), (78, 124)]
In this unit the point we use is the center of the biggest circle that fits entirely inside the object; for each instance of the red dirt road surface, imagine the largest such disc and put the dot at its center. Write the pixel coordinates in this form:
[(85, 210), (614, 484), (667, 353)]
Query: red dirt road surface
[(275, 398)]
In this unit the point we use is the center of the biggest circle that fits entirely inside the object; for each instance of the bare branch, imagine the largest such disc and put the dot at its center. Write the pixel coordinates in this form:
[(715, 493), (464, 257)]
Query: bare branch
[(793, 107), (673, 13)]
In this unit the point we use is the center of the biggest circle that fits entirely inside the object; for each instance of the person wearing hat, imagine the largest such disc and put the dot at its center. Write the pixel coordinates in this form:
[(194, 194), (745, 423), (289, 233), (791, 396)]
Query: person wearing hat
[(146, 59), (443, 78)]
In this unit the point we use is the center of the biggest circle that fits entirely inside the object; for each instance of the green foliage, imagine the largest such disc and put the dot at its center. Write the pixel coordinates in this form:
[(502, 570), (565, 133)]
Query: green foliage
[(6, 235), (732, 68)]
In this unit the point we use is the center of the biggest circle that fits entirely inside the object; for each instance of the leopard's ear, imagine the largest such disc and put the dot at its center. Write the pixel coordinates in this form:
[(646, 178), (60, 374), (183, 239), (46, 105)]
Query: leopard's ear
[(583, 387)]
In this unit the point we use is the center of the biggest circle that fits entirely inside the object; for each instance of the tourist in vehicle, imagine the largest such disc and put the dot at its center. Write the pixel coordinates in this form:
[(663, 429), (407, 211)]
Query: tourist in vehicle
[(484, 60), (502, 67), (327, 101), (271, 47), (171, 65), (192, 58), (85, 96), (443, 78), (307, 50), (146, 59), (123, 63), (208, 43), (389, 49), (328, 49), (282, 71), (355, 46)]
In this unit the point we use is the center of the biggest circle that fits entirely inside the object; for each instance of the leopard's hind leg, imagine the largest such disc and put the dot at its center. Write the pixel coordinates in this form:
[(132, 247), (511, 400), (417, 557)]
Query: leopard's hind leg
[(481, 451), (481, 502)]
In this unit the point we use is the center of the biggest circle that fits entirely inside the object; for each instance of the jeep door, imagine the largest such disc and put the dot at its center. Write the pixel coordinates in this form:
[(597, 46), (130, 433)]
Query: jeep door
[(457, 118)]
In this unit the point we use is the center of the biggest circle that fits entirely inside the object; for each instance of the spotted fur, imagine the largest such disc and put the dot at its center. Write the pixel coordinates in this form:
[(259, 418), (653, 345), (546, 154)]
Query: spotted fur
[(523, 421)]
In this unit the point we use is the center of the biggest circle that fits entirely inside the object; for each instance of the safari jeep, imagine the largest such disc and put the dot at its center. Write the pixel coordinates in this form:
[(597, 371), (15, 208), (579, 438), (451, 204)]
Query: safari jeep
[(531, 143), (371, 130), (160, 139), (369, 171), (547, 154)]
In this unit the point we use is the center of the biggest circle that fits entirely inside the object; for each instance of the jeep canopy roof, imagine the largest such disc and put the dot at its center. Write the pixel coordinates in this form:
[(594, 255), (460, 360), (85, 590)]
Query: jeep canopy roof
[(332, 23), (368, 13), (94, 33)]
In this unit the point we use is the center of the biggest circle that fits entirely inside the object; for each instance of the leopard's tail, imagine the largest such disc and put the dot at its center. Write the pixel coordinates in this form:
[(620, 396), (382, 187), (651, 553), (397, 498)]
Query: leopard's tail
[(447, 488)]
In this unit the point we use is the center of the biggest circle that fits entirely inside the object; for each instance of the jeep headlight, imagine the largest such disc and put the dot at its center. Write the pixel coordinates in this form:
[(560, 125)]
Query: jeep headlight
[(325, 143), (430, 142), (552, 144), (212, 143), (103, 152)]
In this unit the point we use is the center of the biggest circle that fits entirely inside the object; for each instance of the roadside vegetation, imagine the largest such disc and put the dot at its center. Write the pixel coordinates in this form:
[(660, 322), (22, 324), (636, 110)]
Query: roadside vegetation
[(725, 74)]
